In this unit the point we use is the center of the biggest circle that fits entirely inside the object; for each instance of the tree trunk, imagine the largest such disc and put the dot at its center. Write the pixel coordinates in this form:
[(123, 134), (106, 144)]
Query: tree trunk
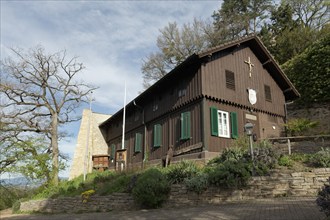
[(55, 151)]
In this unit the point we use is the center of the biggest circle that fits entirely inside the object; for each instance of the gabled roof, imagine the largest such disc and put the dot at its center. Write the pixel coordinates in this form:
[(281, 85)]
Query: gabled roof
[(266, 59), (253, 42)]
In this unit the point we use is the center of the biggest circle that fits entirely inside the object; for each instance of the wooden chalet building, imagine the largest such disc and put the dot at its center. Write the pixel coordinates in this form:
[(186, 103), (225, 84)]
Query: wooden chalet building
[(202, 105)]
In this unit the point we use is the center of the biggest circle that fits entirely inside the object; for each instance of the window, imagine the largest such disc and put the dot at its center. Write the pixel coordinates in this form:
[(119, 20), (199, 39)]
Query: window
[(138, 143), (157, 135), (220, 123), (230, 80), (268, 93), (185, 125), (223, 124), (182, 92), (155, 107)]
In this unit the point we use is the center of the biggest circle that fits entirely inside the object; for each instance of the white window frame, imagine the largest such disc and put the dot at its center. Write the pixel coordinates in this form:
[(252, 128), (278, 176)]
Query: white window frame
[(223, 124)]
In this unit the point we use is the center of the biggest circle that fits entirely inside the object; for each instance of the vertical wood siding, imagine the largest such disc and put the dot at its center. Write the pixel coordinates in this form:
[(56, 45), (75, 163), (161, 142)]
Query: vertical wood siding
[(171, 131), (214, 81), (197, 83)]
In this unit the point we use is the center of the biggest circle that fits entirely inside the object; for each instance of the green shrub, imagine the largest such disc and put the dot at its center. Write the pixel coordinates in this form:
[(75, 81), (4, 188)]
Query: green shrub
[(242, 142), (266, 153), (47, 192), (151, 189), (300, 157), (229, 154), (265, 158), (177, 173), (116, 184), (85, 196), (232, 154), (10, 194), (323, 199), (299, 126), (285, 160), (16, 206), (230, 174), (197, 183), (321, 158)]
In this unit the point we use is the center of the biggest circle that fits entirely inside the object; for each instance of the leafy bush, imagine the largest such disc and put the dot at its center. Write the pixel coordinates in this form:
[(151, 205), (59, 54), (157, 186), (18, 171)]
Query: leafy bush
[(299, 126), (230, 174), (47, 192), (104, 183), (177, 173), (265, 158), (323, 199), (197, 183), (234, 167), (151, 189), (119, 183), (285, 160), (86, 195), (321, 158), (229, 154), (16, 206), (11, 194), (300, 157)]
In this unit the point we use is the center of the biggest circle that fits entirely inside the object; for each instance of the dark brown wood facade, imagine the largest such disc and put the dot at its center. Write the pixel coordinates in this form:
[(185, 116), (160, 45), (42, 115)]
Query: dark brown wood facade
[(176, 111)]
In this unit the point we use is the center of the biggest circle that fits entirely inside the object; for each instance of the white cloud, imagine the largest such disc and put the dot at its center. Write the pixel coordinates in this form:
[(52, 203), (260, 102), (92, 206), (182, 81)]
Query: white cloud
[(110, 37)]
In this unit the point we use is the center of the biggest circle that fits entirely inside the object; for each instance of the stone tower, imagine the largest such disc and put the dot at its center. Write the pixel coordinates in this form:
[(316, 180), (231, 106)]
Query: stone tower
[(89, 137)]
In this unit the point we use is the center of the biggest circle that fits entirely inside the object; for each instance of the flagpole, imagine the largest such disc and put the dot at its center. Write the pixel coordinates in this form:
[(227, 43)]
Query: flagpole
[(124, 118), (123, 163)]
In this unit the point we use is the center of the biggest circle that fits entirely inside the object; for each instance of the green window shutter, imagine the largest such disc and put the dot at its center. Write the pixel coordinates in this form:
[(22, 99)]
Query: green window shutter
[(188, 123), (138, 142), (214, 121), (185, 125), (157, 135), (234, 125), (113, 151)]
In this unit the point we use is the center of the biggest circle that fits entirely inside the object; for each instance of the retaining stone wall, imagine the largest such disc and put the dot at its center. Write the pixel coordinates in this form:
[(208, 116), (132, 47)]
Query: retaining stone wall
[(116, 201), (278, 184), (275, 185)]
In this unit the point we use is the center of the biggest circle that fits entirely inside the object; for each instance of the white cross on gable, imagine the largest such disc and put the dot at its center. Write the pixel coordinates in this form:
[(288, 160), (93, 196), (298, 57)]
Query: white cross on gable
[(250, 66)]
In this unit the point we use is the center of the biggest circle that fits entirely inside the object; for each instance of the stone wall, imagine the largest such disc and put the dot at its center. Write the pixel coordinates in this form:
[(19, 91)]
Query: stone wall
[(116, 201), (277, 184)]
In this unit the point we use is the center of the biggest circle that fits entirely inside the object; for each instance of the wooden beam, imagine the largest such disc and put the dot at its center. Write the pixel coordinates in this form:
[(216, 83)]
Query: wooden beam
[(187, 149)]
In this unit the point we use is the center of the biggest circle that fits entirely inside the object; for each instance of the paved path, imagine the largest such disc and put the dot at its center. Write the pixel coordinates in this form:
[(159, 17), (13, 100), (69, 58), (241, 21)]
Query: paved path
[(265, 209)]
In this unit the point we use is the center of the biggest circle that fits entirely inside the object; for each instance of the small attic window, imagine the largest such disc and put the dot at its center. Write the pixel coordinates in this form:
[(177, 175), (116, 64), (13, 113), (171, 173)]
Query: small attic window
[(230, 80), (268, 94)]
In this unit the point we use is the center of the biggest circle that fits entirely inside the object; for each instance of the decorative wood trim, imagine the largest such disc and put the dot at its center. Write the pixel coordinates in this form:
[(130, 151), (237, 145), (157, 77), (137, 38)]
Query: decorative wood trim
[(187, 149)]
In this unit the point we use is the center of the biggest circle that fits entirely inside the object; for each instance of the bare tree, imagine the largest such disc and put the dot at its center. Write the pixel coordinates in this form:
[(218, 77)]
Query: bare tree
[(311, 13), (39, 93), (175, 45)]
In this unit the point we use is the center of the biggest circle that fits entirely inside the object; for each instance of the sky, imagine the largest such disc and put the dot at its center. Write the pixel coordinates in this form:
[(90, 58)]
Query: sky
[(111, 38)]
